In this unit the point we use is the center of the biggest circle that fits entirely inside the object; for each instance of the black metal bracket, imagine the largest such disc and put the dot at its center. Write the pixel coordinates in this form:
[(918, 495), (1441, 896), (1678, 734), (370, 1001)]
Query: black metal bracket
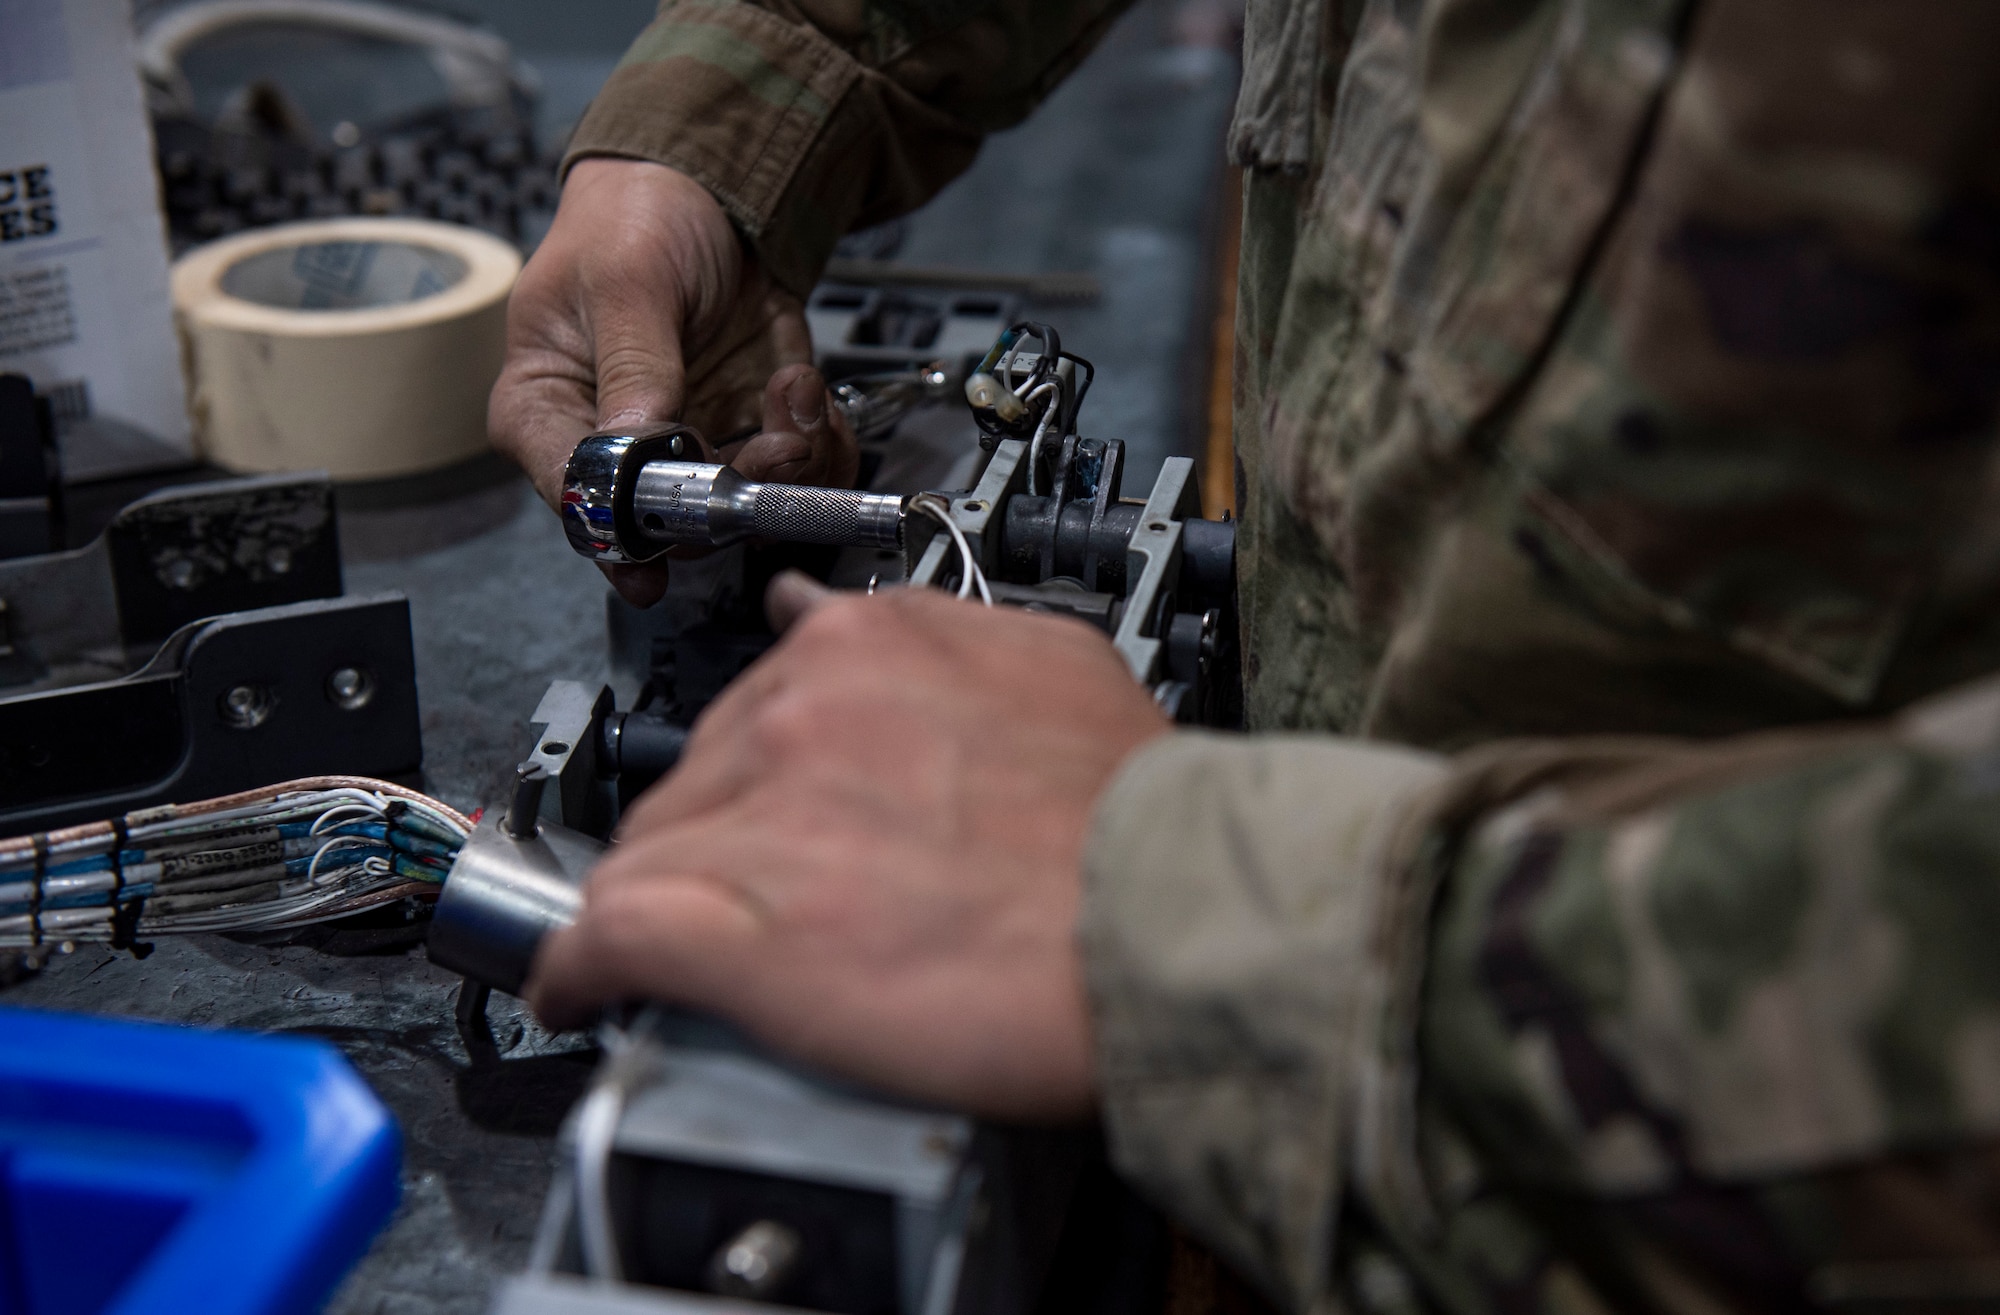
[(229, 703), (176, 556)]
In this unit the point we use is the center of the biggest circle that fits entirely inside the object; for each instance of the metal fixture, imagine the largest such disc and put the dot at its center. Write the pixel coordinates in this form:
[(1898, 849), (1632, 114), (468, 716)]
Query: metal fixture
[(168, 559), (516, 880), (227, 704), (1044, 527)]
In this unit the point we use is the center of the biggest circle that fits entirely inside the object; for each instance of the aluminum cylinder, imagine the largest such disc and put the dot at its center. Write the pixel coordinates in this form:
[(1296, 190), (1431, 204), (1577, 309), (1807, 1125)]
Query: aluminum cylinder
[(503, 895)]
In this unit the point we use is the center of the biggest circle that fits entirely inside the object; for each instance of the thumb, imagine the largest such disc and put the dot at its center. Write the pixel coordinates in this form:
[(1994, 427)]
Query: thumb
[(791, 595), (641, 375)]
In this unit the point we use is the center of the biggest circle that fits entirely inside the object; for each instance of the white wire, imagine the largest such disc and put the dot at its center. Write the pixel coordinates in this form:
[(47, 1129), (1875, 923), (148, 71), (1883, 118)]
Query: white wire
[(329, 887), (268, 810), (629, 1062), (1041, 432), (935, 507), (341, 812), (312, 868)]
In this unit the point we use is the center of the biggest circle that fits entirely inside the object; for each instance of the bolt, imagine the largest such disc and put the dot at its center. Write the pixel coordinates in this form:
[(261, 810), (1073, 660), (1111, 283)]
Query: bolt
[(350, 688), (278, 559), (247, 706), (756, 1262), (180, 573), (529, 780)]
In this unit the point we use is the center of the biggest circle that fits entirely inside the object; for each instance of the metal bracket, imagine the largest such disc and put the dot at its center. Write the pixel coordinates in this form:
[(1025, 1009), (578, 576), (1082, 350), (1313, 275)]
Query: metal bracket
[(1152, 563), (569, 730), (198, 550), (928, 552), (236, 701)]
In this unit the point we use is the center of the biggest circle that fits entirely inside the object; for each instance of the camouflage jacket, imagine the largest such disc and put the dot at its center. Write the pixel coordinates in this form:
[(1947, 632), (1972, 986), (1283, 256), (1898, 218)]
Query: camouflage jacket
[(1606, 370)]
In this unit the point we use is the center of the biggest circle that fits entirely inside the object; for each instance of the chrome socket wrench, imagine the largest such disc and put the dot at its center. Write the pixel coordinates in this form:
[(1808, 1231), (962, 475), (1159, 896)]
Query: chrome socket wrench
[(631, 497)]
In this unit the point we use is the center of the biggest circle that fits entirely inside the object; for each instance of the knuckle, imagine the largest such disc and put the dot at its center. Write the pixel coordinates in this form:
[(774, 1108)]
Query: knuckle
[(843, 624), (631, 363), (789, 723)]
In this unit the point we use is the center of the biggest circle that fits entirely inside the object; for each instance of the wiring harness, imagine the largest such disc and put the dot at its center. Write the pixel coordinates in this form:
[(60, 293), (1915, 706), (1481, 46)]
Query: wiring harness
[(282, 856)]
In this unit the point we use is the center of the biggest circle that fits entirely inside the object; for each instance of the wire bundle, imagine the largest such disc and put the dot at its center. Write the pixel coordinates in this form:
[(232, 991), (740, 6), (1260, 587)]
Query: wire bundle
[(281, 856)]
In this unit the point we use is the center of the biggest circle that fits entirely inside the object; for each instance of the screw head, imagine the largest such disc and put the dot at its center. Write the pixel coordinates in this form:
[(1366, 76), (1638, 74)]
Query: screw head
[(180, 573), (278, 559), (350, 688), (247, 707)]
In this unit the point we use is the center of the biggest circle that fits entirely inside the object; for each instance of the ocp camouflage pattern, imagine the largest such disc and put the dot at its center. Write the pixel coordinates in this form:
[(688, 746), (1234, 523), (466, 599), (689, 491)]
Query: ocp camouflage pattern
[(1607, 370)]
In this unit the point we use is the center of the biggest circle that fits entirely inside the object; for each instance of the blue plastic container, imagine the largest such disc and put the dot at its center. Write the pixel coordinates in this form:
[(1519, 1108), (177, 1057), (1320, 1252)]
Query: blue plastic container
[(157, 1169)]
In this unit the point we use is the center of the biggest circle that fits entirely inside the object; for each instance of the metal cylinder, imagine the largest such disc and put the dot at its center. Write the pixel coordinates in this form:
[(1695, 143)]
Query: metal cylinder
[(691, 502), (597, 489), (503, 894)]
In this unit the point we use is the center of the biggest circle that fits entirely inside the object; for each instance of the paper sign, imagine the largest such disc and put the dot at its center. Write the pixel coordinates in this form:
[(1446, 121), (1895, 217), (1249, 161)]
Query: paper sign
[(84, 307)]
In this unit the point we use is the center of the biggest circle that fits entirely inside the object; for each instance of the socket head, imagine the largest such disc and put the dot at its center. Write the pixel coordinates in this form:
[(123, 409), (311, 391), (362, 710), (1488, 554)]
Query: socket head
[(598, 483)]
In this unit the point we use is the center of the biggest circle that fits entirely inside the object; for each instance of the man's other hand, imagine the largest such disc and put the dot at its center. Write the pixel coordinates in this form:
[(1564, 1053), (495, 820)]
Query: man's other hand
[(869, 855), (642, 305)]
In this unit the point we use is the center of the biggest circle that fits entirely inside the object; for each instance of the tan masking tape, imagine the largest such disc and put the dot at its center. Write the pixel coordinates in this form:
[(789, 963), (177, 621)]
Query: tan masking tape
[(362, 347)]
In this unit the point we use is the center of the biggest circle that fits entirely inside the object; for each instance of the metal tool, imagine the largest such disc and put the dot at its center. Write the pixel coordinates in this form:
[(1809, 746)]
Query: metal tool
[(1044, 527), (630, 497)]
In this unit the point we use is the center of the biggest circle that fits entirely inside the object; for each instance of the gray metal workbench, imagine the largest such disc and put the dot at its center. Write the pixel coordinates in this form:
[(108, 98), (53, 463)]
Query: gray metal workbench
[(1115, 177)]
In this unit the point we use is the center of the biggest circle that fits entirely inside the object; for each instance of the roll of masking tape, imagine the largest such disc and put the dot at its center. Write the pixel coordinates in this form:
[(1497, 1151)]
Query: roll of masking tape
[(362, 347)]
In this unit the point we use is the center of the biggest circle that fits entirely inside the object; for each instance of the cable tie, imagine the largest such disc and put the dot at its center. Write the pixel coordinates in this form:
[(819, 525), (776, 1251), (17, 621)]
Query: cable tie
[(125, 914), (125, 925), (41, 844), (118, 837)]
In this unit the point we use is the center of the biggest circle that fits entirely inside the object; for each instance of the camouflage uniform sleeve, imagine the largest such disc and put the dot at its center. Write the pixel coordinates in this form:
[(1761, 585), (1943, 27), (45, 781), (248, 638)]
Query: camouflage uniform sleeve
[(807, 118), (1578, 1024), (1230, 884)]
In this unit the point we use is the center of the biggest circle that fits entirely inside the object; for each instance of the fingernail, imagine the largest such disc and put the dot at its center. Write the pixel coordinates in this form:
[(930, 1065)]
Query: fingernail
[(805, 398)]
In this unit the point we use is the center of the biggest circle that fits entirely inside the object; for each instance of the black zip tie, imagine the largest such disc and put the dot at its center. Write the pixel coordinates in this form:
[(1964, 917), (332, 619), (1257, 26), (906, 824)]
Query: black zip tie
[(41, 843), (117, 859), (125, 914), (125, 923)]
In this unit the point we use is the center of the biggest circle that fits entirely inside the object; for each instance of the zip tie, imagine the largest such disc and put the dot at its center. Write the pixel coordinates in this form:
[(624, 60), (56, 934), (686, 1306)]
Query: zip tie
[(118, 838), (41, 843), (125, 914)]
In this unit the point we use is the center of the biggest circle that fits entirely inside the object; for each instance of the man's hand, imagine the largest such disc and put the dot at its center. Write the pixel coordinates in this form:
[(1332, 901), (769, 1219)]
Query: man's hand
[(642, 305), (869, 856)]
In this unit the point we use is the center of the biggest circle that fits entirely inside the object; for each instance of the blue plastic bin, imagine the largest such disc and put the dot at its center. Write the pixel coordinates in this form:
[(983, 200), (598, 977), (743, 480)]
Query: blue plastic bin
[(157, 1169)]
